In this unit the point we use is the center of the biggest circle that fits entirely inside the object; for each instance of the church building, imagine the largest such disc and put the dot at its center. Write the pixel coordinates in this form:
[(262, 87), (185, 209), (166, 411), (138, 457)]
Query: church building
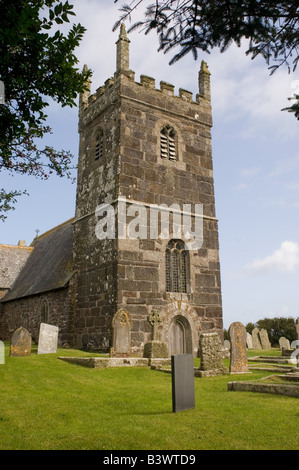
[(139, 261)]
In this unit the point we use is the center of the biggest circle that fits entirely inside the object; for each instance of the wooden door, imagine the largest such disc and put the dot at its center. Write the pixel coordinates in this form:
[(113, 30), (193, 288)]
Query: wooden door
[(177, 339)]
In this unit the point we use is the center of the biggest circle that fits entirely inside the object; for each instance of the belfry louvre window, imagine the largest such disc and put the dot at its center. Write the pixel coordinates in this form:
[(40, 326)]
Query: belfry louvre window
[(99, 145), (176, 259), (168, 143)]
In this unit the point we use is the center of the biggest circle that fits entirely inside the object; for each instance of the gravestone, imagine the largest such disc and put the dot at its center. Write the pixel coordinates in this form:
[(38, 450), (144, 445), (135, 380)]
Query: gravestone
[(264, 339), (183, 391), (226, 349), (20, 344), (238, 356), (2, 353), (249, 341), (256, 342), (48, 339), (210, 352), (284, 343), (122, 325), (155, 348)]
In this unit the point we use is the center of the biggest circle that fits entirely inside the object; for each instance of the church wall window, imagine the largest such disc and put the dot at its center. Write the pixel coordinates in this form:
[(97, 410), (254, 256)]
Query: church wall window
[(168, 147), (44, 314), (176, 259), (99, 144)]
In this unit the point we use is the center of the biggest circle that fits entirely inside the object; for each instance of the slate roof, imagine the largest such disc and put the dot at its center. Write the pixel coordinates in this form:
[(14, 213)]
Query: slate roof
[(12, 260), (49, 266)]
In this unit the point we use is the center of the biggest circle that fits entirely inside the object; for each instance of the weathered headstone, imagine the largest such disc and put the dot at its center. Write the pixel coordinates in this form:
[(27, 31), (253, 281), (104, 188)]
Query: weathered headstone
[(264, 339), (238, 356), (48, 339), (256, 342), (122, 325), (20, 344), (249, 341), (226, 349), (284, 343), (2, 353), (155, 348), (210, 351), (183, 391)]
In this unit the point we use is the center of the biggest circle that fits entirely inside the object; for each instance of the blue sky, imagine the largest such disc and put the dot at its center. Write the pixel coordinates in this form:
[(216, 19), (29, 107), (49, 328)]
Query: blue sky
[(255, 154)]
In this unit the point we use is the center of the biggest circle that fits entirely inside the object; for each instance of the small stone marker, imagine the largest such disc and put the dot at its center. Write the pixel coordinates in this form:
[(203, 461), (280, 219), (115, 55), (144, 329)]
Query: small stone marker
[(20, 344), (263, 334), (238, 356), (284, 343), (48, 339), (210, 351), (183, 391), (155, 348)]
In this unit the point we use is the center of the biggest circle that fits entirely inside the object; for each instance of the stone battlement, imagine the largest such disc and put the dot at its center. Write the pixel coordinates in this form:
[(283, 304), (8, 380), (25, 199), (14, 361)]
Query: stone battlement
[(147, 83)]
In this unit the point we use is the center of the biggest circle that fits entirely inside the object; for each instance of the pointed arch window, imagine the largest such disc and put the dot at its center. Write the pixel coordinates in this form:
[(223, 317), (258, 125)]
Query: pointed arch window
[(44, 314), (168, 143), (176, 261)]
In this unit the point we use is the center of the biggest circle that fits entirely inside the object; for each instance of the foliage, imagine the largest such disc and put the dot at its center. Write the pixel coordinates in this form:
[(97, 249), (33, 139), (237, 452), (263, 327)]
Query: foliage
[(271, 28), (250, 327), (276, 328), (37, 64), (295, 107)]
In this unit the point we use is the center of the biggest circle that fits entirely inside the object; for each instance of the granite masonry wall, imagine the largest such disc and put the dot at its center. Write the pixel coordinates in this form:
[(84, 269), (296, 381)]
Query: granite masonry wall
[(120, 158)]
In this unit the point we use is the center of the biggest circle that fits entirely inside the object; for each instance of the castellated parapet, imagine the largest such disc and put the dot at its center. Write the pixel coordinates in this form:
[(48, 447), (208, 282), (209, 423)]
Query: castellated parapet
[(146, 91)]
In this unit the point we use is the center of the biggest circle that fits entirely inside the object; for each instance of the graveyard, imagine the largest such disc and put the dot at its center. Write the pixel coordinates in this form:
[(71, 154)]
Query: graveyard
[(61, 400)]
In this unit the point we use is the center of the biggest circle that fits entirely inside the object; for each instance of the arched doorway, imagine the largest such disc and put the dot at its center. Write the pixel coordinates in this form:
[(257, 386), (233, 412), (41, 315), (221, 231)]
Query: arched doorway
[(180, 338)]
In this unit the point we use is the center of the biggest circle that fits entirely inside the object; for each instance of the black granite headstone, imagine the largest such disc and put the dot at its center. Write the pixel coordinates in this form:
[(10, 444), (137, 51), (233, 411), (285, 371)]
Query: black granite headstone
[(183, 392)]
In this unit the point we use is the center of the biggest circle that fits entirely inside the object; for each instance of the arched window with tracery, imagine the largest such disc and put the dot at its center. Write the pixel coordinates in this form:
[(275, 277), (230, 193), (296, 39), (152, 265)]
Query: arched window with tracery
[(168, 143), (176, 261)]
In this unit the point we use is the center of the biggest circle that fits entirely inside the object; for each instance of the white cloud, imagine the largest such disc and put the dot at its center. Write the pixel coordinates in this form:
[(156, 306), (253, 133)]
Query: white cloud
[(286, 166), (285, 259), (242, 186), (249, 172)]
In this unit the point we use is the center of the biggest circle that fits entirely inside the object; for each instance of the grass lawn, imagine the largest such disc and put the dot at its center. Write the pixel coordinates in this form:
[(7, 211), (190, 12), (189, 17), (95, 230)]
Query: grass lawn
[(51, 404)]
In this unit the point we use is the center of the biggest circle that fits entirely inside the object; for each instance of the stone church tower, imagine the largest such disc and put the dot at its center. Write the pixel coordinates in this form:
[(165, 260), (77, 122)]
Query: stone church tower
[(145, 151)]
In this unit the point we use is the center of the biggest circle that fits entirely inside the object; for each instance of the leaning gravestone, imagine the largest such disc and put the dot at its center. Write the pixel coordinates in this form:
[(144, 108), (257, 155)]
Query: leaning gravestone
[(249, 341), (263, 334), (238, 356), (20, 344), (48, 339), (182, 373), (256, 342), (284, 343)]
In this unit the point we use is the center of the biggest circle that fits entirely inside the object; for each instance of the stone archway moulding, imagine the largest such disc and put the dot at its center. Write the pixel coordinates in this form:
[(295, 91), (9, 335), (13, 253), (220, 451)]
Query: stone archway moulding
[(174, 310)]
